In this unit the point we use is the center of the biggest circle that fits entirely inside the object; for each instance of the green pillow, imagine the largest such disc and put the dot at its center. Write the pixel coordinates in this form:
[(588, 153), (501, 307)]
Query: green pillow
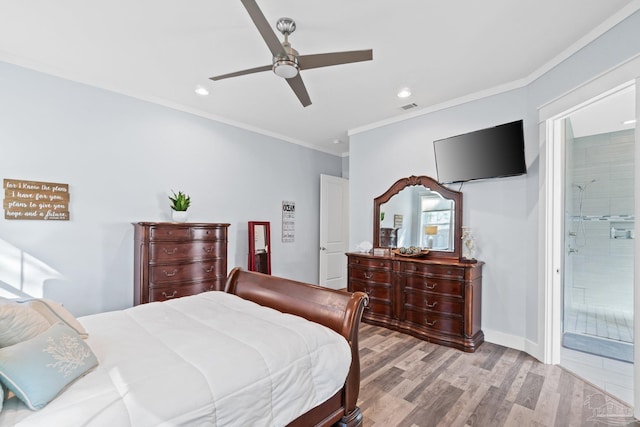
[(37, 370)]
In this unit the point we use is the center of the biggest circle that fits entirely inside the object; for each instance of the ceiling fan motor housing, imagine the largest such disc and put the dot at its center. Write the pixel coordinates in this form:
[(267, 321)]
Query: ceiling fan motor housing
[(286, 67)]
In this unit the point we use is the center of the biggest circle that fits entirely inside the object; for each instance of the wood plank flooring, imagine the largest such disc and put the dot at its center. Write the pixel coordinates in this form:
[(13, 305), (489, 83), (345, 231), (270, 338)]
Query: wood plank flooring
[(407, 382)]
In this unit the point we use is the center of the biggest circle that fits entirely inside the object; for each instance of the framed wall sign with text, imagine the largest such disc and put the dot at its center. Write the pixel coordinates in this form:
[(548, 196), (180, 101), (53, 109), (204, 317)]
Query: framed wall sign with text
[(35, 200), (288, 221)]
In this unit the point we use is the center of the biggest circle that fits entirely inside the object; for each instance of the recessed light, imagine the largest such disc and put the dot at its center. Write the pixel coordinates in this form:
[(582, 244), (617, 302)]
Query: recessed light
[(337, 141), (202, 91), (404, 93), (629, 122)]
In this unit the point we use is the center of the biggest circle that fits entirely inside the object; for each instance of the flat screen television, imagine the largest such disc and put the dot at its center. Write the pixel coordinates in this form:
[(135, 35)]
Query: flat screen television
[(487, 153)]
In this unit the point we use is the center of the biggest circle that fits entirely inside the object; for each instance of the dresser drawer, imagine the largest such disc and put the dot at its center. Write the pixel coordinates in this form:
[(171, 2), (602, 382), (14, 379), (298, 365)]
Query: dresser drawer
[(163, 293), (166, 251), (169, 233), (434, 322), (186, 271), (432, 270), (433, 302), (435, 285), (376, 309), (370, 262), (371, 275), (376, 291), (204, 233)]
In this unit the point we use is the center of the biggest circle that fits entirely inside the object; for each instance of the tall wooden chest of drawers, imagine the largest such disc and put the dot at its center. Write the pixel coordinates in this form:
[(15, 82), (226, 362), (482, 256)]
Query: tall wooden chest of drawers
[(173, 260), (438, 300)]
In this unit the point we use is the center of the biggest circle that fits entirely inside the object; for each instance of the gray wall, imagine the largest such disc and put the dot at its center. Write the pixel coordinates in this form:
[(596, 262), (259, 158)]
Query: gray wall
[(503, 213), (121, 158)]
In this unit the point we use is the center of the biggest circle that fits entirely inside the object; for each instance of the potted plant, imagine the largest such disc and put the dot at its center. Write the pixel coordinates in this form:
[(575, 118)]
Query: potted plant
[(179, 204)]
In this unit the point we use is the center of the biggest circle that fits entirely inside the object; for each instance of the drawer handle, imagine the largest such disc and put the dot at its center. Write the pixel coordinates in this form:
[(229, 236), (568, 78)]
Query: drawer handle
[(368, 275), (210, 269), (382, 264), (166, 251), (208, 250), (164, 294), (430, 323), (431, 286), (173, 273), (426, 303)]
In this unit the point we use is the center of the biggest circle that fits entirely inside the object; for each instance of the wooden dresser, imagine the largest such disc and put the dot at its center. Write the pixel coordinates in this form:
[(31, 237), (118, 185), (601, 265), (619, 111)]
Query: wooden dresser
[(437, 300), (177, 259)]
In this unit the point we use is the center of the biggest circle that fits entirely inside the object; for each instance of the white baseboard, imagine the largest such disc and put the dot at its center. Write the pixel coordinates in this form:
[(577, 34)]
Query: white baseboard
[(513, 341)]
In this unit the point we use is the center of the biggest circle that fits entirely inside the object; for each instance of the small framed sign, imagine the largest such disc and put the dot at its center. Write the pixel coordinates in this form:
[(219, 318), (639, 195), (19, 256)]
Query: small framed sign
[(288, 221)]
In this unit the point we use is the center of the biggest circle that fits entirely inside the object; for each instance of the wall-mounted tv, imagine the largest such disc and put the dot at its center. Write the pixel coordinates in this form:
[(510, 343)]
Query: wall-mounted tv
[(487, 153)]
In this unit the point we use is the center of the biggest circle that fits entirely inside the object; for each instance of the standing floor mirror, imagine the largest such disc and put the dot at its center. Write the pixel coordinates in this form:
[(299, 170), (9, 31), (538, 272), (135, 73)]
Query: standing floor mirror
[(259, 247)]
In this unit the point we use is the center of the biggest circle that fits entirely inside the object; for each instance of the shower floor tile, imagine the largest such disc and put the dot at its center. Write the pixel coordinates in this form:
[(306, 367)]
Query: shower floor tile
[(603, 322)]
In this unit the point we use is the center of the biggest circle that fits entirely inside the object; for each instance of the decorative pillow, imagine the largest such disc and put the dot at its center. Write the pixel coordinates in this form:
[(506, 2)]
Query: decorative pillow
[(37, 370), (19, 323), (54, 312), (4, 394)]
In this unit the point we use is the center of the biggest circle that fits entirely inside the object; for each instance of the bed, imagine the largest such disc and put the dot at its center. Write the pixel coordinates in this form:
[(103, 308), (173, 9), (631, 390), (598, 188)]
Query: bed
[(266, 351)]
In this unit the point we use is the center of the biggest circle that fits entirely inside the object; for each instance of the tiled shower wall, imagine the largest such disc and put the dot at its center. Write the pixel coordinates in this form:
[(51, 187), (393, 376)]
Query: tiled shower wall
[(602, 266)]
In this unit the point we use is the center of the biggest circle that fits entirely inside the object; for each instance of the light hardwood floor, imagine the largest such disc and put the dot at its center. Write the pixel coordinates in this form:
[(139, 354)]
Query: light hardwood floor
[(409, 382)]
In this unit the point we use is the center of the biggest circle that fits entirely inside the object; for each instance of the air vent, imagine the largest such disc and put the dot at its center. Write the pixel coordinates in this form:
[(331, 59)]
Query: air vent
[(409, 106)]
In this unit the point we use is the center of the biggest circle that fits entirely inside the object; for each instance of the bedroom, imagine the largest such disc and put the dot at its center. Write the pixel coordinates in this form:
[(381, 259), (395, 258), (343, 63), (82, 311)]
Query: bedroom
[(121, 156)]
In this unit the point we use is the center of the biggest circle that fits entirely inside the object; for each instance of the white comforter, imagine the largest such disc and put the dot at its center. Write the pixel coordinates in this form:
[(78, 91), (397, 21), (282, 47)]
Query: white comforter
[(211, 359)]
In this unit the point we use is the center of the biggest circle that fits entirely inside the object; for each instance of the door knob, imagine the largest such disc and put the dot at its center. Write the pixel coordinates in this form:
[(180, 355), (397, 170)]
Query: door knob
[(322, 248)]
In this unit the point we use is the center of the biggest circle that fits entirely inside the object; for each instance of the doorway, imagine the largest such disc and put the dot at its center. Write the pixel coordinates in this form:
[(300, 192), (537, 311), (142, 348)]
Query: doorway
[(599, 227), (591, 241), (334, 231)]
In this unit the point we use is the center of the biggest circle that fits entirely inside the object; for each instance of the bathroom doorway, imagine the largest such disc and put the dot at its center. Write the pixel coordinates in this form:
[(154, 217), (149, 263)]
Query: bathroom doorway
[(598, 238)]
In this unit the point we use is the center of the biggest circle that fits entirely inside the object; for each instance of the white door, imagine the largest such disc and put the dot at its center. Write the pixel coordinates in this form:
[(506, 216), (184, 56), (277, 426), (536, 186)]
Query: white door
[(334, 231)]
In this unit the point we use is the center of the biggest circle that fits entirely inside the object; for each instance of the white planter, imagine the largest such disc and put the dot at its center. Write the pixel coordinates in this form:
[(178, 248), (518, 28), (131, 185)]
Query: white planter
[(179, 216)]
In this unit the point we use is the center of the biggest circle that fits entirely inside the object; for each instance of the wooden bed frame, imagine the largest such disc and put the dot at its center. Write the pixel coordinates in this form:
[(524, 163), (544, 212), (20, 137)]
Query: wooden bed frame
[(338, 310)]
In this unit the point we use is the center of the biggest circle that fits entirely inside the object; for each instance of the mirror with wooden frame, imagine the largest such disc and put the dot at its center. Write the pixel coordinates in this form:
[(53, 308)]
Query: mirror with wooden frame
[(418, 211), (259, 247)]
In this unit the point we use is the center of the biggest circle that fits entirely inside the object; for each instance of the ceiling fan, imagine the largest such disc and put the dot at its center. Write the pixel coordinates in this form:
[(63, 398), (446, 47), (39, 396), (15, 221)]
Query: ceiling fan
[(286, 61)]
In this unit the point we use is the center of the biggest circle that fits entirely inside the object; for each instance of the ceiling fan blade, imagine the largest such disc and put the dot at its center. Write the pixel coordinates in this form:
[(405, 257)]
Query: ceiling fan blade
[(297, 85), (264, 28), (243, 72), (336, 58)]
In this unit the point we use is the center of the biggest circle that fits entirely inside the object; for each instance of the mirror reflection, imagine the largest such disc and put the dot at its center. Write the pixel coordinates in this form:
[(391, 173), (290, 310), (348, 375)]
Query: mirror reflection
[(259, 241), (418, 211), (418, 216)]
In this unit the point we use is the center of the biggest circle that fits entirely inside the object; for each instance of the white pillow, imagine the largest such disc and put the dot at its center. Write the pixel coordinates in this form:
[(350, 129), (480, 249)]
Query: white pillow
[(54, 312), (19, 323)]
